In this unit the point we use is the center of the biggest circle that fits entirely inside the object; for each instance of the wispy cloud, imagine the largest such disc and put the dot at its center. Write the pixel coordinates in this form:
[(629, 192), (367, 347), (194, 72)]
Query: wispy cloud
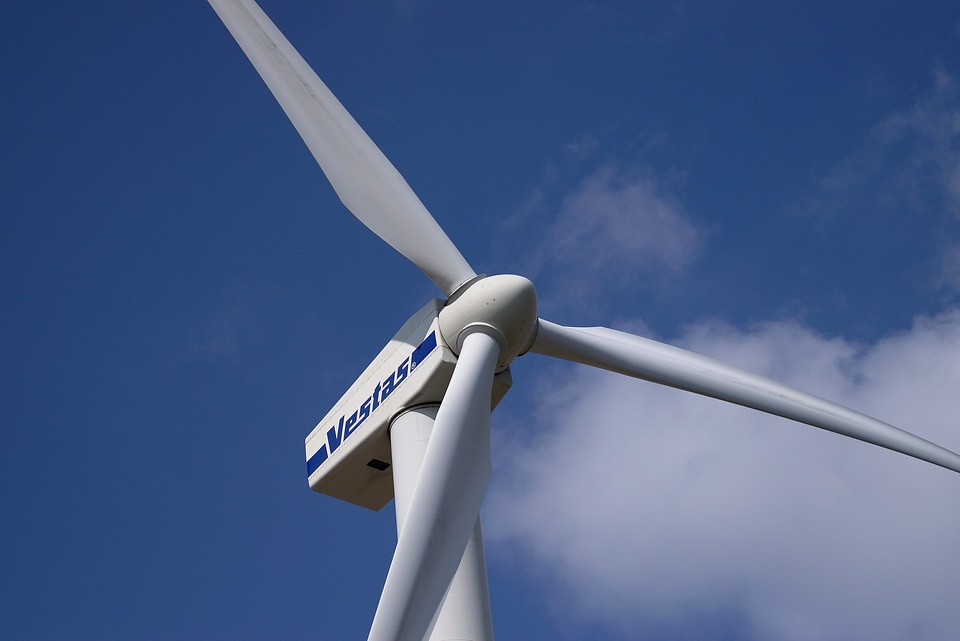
[(659, 510), (616, 227), (230, 321), (910, 158), (909, 167), (621, 222)]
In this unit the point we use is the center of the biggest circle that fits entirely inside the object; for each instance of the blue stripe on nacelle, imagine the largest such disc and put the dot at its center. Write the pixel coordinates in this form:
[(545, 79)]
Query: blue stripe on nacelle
[(348, 423), (427, 346)]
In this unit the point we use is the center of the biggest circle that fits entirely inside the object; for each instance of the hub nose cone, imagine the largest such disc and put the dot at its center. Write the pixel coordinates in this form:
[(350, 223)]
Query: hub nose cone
[(504, 306)]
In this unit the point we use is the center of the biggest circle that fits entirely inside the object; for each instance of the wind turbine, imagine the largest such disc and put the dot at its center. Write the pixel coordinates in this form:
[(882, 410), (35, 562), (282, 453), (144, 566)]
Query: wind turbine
[(415, 426)]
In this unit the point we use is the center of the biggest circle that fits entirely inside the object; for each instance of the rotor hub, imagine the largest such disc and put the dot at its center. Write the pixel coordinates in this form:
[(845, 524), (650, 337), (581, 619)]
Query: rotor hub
[(502, 306)]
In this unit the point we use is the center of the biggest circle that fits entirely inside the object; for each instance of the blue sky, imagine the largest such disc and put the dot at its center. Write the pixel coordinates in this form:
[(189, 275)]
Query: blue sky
[(183, 297)]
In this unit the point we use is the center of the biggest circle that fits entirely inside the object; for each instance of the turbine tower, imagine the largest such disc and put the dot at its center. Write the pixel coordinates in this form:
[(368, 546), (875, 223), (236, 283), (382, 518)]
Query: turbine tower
[(415, 426)]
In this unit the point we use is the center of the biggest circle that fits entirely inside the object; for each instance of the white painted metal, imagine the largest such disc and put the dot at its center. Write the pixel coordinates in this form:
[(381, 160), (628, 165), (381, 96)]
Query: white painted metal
[(446, 499), (348, 452), (409, 434), (464, 613), (367, 183), (505, 306), (654, 361)]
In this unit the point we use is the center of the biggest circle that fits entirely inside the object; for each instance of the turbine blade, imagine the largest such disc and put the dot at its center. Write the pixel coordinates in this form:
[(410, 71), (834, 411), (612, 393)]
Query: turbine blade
[(367, 183), (446, 501), (660, 363)]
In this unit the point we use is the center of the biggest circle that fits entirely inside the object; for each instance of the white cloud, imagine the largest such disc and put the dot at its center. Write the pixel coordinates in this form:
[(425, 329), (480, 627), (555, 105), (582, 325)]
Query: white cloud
[(615, 220), (621, 225), (656, 509), (666, 515)]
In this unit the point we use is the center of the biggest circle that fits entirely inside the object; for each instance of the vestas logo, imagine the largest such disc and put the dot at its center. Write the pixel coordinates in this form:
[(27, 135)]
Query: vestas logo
[(348, 424)]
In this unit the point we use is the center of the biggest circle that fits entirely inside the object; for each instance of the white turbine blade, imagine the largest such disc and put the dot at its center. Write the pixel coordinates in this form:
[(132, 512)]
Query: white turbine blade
[(367, 183), (660, 363), (445, 502)]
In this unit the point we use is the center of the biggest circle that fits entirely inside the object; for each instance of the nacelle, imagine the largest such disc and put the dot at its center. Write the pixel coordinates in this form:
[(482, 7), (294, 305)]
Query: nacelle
[(348, 452)]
